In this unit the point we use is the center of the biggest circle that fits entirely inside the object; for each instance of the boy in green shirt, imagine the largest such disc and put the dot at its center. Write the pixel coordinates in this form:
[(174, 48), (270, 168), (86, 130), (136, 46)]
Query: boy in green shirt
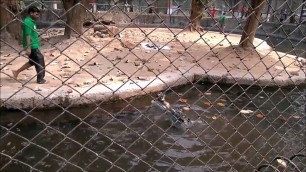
[(222, 22), (31, 44)]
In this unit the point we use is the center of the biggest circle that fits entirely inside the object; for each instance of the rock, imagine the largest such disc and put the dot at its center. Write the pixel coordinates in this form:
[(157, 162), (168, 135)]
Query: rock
[(101, 35), (88, 23), (107, 22), (141, 78), (137, 63), (65, 67), (127, 44), (87, 82), (5, 68), (69, 91), (294, 73), (38, 89), (54, 63), (180, 52), (93, 64), (113, 30), (110, 30), (300, 62)]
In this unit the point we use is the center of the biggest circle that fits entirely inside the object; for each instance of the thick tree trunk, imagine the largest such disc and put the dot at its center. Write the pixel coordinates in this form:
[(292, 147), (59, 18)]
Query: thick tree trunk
[(75, 16), (251, 25), (196, 15), (294, 7), (12, 29)]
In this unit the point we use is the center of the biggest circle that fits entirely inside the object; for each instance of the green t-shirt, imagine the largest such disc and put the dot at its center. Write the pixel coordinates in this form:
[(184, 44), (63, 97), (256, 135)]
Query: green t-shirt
[(222, 19), (29, 28)]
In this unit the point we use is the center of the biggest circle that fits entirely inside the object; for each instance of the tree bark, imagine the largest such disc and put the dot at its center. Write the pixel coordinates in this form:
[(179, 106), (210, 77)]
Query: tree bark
[(196, 15), (12, 30), (75, 16), (294, 7), (251, 25)]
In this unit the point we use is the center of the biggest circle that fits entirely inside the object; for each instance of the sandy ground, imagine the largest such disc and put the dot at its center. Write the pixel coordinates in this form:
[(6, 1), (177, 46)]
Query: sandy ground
[(87, 60)]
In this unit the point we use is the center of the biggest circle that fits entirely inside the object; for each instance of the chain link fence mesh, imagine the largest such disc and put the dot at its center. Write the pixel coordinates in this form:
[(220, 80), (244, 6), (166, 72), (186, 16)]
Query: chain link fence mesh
[(137, 91)]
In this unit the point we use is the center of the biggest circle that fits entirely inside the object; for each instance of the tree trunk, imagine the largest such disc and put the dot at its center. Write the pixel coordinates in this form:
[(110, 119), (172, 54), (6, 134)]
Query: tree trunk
[(75, 16), (12, 29), (275, 6), (294, 7), (251, 25), (196, 15)]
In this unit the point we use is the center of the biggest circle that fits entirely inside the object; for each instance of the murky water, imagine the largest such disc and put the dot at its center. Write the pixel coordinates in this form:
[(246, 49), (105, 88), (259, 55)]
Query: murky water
[(296, 48), (130, 135)]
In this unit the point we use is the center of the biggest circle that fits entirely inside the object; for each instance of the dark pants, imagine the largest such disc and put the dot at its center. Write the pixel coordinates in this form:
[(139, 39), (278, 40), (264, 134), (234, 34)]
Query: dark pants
[(37, 59)]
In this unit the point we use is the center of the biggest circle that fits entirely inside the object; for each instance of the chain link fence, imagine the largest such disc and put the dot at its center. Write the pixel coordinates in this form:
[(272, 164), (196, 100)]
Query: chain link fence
[(128, 94)]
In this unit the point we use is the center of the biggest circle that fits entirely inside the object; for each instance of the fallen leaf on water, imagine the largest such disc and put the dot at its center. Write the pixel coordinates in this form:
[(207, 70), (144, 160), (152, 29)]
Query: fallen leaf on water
[(296, 117), (222, 100), (183, 100), (186, 108), (282, 162), (246, 111), (283, 118), (220, 104), (260, 115), (207, 103), (207, 94), (214, 117)]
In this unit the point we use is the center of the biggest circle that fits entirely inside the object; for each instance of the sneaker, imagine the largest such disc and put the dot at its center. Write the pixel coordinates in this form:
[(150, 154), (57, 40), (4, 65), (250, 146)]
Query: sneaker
[(41, 81)]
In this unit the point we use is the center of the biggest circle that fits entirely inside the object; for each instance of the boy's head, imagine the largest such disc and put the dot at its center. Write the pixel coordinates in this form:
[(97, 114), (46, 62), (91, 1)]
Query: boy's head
[(33, 12)]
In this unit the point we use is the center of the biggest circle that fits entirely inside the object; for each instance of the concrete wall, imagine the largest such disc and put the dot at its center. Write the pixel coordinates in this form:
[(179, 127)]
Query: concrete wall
[(294, 31)]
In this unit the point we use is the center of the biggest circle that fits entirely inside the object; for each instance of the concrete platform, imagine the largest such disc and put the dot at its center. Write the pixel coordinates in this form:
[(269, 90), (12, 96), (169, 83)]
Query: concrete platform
[(156, 71)]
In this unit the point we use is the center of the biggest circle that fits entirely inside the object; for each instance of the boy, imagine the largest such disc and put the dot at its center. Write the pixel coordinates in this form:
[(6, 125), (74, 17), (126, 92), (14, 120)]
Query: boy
[(31, 44), (222, 22)]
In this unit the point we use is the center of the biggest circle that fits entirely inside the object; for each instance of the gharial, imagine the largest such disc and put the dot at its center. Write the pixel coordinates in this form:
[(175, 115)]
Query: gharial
[(174, 114)]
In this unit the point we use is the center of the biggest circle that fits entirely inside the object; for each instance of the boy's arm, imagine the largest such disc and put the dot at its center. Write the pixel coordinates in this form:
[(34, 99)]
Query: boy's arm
[(28, 51), (28, 31)]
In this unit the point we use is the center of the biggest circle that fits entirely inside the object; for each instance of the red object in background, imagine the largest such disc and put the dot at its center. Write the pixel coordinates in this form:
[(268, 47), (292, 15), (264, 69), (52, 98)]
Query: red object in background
[(212, 11), (243, 9)]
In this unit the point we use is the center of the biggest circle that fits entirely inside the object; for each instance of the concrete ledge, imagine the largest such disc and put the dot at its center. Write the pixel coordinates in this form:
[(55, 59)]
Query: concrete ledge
[(28, 99)]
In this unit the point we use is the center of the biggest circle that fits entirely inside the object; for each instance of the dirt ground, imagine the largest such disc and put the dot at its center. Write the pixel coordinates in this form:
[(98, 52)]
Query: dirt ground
[(87, 60)]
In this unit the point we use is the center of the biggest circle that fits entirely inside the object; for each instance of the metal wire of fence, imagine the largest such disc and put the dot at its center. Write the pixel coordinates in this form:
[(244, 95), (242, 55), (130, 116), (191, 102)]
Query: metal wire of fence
[(220, 107)]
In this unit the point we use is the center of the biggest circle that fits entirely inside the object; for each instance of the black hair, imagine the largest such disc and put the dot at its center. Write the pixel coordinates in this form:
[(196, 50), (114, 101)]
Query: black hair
[(33, 9)]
